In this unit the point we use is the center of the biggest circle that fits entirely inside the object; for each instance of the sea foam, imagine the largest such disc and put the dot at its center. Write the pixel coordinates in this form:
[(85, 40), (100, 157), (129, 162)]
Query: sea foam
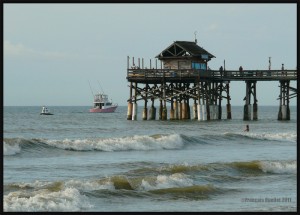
[(11, 149), (68, 199), (279, 166), (136, 142)]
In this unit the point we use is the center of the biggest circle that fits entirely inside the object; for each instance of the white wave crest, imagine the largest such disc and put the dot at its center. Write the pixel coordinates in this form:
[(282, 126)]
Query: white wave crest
[(11, 149), (164, 182), (90, 185), (173, 141), (68, 199), (288, 136), (279, 166)]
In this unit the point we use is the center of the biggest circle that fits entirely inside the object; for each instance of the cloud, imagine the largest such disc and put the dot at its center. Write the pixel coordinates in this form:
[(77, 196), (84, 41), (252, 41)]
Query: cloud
[(15, 49), (212, 27), (20, 50)]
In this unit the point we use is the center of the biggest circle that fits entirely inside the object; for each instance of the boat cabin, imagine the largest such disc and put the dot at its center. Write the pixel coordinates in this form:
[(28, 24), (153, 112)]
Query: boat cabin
[(45, 110), (101, 100)]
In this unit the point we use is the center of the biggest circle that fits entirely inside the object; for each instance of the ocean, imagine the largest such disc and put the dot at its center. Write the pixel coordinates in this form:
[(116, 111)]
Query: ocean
[(101, 162)]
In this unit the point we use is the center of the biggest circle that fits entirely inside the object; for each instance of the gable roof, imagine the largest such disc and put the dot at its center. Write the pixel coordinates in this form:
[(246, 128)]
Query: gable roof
[(184, 48)]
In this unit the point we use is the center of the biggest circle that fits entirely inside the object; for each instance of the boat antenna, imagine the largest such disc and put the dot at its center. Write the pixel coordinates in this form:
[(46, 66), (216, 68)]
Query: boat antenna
[(101, 87), (91, 88)]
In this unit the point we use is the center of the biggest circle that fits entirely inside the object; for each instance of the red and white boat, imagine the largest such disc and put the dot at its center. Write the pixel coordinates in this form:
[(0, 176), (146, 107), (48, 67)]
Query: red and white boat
[(102, 104)]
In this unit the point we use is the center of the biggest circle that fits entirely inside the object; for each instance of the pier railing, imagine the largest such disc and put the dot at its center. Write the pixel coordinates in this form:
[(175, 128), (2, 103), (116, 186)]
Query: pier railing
[(183, 74)]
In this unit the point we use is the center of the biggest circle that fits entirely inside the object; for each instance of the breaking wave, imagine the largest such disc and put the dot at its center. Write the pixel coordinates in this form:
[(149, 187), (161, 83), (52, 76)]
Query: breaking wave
[(66, 199), (288, 136), (197, 181), (142, 142), (73, 195), (13, 146), (273, 167)]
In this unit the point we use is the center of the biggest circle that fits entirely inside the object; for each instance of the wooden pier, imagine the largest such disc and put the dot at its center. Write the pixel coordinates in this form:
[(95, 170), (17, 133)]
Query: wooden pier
[(183, 76)]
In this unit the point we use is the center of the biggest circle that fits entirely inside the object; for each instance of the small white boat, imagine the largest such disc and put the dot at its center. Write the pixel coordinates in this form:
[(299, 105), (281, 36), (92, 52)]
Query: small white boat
[(102, 104), (45, 111)]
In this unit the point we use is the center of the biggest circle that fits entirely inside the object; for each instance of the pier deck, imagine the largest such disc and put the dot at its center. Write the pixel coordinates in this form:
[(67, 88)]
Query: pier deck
[(153, 76), (205, 87)]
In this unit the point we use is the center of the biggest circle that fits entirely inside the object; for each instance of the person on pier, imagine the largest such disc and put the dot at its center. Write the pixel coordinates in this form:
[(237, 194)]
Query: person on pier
[(241, 70), (221, 71)]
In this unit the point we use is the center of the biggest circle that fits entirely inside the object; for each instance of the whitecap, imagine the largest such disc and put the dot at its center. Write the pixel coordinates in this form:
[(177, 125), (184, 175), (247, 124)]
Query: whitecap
[(68, 199), (11, 149), (279, 166), (136, 142)]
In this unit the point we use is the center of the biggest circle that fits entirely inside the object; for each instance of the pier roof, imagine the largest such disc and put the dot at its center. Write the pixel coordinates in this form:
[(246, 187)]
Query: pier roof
[(184, 48)]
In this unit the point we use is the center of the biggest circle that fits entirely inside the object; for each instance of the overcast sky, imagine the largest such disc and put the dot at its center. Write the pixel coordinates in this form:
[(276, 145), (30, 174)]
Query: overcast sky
[(53, 51)]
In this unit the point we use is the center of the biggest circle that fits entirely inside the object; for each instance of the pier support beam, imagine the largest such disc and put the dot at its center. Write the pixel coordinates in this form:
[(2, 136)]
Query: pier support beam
[(199, 115), (255, 110), (134, 111), (208, 100), (250, 85), (152, 111), (172, 110), (129, 111), (134, 105), (188, 109), (228, 106), (176, 110), (160, 110), (204, 100), (183, 109), (284, 109), (145, 111), (247, 112), (220, 101), (195, 115), (164, 113), (129, 108)]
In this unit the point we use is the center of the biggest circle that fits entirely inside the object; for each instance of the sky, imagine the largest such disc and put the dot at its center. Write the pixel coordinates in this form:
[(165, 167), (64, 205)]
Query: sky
[(60, 54)]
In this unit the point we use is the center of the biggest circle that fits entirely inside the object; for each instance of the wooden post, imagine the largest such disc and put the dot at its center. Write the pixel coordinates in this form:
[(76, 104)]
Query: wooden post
[(129, 110), (204, 100), (284, 109), (199, 104), (254, 104), (172, 109), (134, 106), (152, 111), (145, 111), (220, 101), (280, 102), (164, 110), (160, 110), (208, 100), (180, 104), (288, 117), (247, 106), (195, 114), (228, 106)]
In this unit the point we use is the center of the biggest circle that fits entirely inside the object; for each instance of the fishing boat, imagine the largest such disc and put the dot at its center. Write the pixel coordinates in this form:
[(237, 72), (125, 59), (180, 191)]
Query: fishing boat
[(102, 104), (45, 111)]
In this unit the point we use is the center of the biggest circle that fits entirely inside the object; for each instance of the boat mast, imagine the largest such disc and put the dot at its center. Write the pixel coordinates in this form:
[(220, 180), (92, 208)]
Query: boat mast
[(101, 87), (91, 89)]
